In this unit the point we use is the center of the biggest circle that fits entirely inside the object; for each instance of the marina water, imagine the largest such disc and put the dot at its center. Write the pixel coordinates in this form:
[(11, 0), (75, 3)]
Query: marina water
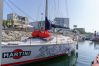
[(87, 51)]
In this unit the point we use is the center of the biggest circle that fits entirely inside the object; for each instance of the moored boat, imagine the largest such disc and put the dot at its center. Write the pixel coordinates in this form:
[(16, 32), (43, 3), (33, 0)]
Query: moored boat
[(16, 53), (95, 37), (41, 45)]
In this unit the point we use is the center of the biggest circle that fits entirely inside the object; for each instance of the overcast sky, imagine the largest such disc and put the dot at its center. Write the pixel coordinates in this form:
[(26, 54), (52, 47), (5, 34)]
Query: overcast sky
[(83, 13)]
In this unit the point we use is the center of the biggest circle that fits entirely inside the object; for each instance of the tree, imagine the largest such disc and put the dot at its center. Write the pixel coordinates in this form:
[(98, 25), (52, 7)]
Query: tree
[(9, 23), (4, 24)]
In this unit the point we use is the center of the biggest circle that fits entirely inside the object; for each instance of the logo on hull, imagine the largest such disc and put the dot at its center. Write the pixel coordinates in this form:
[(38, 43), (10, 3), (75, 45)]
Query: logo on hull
[(16, 54)]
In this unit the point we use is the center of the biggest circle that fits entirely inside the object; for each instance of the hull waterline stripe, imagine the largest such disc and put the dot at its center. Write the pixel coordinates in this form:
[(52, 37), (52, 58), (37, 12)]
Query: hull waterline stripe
[(30, 61)]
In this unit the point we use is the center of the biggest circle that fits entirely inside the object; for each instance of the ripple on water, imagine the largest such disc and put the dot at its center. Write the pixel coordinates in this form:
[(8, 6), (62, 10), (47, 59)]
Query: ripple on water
[(86, 53)]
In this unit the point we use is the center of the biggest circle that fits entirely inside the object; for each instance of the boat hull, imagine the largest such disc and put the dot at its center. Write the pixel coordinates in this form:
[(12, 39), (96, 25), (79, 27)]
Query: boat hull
[(95, 38), (22, 54), (32, 60)]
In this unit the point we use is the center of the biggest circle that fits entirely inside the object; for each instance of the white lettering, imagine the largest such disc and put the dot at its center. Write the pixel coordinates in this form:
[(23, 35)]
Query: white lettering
[(5, 55), (12, 54)]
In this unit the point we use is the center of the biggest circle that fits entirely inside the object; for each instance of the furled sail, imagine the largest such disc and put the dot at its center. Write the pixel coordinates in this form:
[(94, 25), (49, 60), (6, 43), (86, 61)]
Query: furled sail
[(47, 24)]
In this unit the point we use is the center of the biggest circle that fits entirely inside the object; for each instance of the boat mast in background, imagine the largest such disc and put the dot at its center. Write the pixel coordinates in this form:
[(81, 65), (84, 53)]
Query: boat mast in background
[(1, 19)]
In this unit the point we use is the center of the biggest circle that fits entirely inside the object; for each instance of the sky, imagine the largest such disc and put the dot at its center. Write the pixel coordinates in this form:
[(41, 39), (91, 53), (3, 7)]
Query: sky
[(83, 13)]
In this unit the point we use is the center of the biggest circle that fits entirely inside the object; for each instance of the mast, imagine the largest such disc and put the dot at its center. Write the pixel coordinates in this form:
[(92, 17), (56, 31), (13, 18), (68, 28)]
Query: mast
[(1, 20), (47, 23), (46, 9)]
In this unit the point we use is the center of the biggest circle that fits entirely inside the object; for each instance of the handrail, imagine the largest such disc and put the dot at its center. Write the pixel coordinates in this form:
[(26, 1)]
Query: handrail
[(30, 42)]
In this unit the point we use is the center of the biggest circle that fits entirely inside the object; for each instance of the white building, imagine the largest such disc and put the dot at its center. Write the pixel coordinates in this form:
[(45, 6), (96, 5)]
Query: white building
[(64, 22), (17, 18)]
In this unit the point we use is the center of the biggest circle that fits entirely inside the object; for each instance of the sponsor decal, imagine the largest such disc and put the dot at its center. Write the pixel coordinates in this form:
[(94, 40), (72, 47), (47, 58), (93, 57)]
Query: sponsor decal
[(16, 54)]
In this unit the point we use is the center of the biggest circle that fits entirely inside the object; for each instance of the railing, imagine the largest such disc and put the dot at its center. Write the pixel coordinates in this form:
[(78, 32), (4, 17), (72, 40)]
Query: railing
[(30, 41), (58, 41)]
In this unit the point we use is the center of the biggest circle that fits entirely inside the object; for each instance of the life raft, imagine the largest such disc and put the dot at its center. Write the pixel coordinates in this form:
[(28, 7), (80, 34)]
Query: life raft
[(35, 33), (40, 34), (44, 34)]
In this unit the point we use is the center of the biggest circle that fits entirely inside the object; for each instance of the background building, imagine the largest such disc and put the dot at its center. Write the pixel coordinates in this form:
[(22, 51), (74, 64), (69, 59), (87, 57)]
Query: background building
[(38, 24), (17, 19), (64, 22)]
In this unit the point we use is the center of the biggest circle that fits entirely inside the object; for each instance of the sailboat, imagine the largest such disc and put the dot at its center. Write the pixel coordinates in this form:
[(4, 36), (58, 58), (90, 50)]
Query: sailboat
[(42, 45)]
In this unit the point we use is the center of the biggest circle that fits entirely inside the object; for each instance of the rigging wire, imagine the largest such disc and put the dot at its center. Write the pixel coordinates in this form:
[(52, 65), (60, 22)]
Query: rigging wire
[(49, 9), (39, 14), (59, 13), (67, 13), (54, 8), (58, 9), (9, 6), (20, 9)]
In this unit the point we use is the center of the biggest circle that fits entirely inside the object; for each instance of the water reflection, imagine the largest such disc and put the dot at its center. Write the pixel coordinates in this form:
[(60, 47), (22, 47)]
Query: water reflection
[(86, 53), (58, 61), (96, 45)]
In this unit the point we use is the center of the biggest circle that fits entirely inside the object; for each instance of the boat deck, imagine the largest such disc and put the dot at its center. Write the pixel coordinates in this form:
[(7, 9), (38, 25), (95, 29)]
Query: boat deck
[(59, 39)]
